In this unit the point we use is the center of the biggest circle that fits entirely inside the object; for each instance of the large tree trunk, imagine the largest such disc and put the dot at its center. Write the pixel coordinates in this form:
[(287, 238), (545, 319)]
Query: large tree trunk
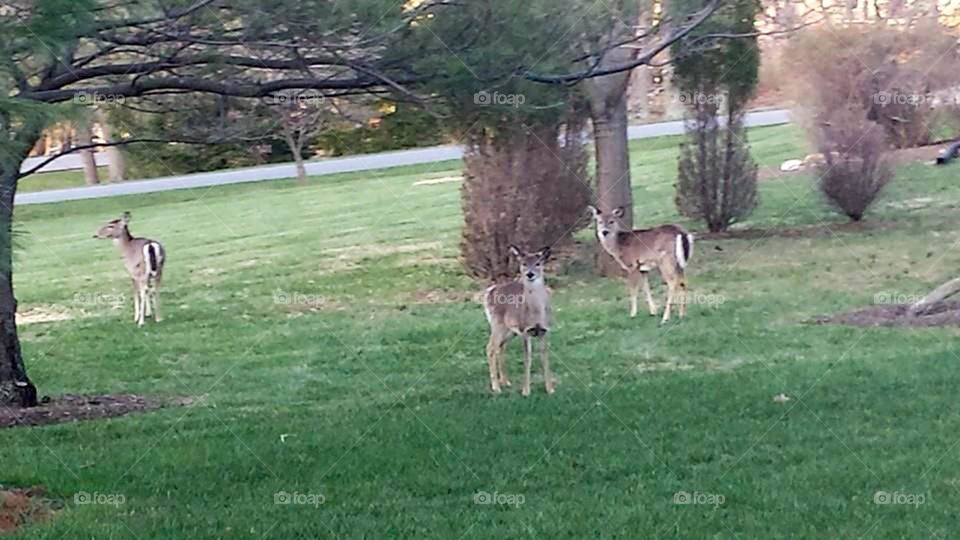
[(85, 137), (15, 387), (115, 163), (608, 110), (296, 148)]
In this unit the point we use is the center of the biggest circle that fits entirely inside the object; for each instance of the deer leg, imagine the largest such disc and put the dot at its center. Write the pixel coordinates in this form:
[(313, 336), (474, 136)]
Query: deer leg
[(144, 305), (146, 299), (683, 296), (646, 291), (633, 287), (493, 347), (545, 363), (527, 354), (136, 303), (502, 351), (670, 299)]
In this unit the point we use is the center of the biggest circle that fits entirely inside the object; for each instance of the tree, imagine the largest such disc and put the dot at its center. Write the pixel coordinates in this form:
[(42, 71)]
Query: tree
[(84, 129), (717, 179), (608, 110)]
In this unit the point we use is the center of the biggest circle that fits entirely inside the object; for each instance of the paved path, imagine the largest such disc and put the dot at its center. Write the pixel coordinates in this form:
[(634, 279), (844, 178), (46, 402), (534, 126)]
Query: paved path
[(366, 162)]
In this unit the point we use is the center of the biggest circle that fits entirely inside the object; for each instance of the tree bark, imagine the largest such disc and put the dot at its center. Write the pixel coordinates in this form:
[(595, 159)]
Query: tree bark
[(15, 387), (608, 110), (297, 151), (85, 137), (115, 164)]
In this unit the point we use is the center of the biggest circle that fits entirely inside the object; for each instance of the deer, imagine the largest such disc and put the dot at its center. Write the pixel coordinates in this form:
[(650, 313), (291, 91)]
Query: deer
[(666, 248), (519, 308), (144, 260)]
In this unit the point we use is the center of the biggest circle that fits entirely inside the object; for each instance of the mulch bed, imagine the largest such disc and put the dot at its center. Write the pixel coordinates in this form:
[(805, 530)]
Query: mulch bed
[(941, 314), (69, 408), (20, 506)]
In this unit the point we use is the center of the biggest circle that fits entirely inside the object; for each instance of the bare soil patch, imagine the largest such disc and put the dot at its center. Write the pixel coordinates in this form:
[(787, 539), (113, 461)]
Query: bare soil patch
[(941, 314), (21, 506), (69, 408)]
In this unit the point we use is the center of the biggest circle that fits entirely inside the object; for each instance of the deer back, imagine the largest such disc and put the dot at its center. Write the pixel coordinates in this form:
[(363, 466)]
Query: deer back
[(647, 247)]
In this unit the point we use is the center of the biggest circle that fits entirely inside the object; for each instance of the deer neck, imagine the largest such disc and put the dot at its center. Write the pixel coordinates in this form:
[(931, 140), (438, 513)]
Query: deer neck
[(611, 245), (534, 289), (124, 241)]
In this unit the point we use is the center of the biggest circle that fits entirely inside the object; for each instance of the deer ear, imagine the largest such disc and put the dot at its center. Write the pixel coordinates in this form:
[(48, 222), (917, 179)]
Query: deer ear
[(514, 250), (545, 253), (125, 218), (618, 212), (593, 210)]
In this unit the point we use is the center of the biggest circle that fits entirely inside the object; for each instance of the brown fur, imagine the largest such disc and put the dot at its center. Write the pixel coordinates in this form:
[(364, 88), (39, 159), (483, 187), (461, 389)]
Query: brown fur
[(143, 259), (641, 251), (519, 308)]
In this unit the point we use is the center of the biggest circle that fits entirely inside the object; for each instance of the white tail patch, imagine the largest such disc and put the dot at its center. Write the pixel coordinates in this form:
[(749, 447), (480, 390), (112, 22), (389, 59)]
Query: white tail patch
[(154, 262), (486, 302), (683, 255)]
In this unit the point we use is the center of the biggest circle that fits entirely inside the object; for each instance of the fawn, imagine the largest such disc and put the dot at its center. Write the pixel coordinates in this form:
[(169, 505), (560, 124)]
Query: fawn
[(519, 308), (144, 260), (667, 248)]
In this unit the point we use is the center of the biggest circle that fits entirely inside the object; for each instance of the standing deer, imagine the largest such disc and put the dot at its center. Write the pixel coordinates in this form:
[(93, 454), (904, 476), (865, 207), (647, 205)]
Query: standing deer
[(667, 248), (144, 261), (519, 308)]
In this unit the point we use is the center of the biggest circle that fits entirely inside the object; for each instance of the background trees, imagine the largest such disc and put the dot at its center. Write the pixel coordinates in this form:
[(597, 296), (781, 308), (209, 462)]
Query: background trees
[(864, 89)]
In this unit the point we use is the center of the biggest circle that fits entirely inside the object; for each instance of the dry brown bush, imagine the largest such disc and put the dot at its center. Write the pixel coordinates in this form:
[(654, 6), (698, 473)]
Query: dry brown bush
[(863, 88), (526, 187), (854, 170), (889, 73)]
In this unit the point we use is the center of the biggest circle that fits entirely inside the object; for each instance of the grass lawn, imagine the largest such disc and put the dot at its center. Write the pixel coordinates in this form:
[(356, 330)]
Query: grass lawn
[(328, 340), (57, 180)]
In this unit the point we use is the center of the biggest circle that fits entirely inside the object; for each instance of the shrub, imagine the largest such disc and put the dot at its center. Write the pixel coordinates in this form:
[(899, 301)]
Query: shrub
[(854, 170), (525, 187), (717, 179), (889, 74)]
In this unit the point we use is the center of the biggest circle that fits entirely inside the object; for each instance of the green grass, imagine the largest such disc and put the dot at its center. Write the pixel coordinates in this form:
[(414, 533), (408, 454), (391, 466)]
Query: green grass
[(374, 395), (56, 180)]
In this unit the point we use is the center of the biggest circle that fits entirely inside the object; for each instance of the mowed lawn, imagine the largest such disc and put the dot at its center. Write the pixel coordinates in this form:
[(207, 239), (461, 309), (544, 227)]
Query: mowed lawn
[(330, 347)]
